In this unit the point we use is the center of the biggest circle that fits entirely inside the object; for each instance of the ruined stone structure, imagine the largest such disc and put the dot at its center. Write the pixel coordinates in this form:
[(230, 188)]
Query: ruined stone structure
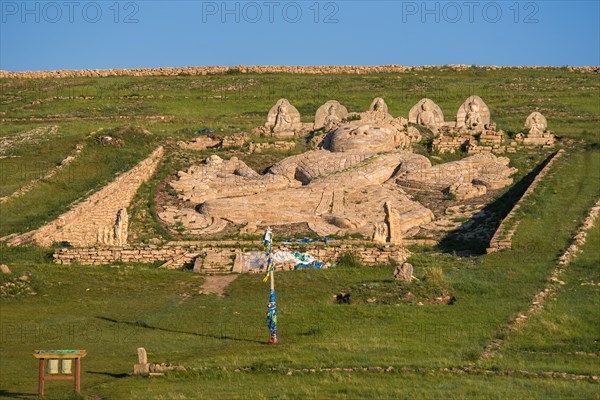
[(320, 187), (451, 143), (217, 257), (355, 181), (370, 137), (328, 189), (351, 184), (117, 234), (278, 145), (214, 142), (344, 201), (466, 190), (200, 143), (106, 140), (414, 135)]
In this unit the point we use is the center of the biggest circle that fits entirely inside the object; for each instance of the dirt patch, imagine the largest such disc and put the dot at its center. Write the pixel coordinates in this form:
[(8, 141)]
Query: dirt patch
[(216, 284), (419, 292)]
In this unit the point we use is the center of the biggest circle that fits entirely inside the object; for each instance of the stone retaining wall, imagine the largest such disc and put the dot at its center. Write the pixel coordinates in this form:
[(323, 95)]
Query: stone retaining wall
[(218, 259), (502, 239), (79, 226), (263, 69)]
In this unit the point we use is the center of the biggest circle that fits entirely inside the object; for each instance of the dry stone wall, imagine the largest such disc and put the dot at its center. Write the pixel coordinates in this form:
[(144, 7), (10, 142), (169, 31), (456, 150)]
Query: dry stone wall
[(553, 284), (79, 226), (214, 259), (263, 69)]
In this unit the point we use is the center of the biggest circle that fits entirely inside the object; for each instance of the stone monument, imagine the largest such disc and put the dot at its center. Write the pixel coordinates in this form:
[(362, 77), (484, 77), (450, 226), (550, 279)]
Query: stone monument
[(283, 119), (536, 124), (426, 113), (378, 105), (538, 134), (404, 272), (121, 227), (329, 115), (473, 115)]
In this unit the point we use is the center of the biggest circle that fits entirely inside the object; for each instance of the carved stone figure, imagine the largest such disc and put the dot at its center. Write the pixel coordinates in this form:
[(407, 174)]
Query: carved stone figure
[(283, 119), (538, 135), (473, 114), (536, 124), (329, 115), (414, 135), (107, 236), (484, 169), (404, 272), (121, 227), (332, 192), (367, 137), (393, 222), (474, 120), (355, 182), (426, 113), (115, 235), (378, 105), (380, 233)]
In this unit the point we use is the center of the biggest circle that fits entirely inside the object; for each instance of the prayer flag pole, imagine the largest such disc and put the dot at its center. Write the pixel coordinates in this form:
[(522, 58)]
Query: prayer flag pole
[(272, 306)]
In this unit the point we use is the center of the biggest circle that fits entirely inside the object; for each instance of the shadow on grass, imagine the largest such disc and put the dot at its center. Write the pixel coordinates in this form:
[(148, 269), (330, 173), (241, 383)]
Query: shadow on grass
[(143, 325), (498, 209), (16, 395), (112, 375)]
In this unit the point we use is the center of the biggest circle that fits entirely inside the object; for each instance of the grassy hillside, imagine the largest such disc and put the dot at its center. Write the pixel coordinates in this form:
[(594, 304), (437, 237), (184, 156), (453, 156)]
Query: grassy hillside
[(112, 310)]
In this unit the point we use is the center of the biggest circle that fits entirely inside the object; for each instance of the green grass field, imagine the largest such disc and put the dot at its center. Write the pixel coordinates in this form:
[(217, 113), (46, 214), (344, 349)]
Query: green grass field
[(112, 310)]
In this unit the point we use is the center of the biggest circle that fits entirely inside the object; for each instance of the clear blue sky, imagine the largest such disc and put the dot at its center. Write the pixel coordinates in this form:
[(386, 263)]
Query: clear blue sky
[(68, 34)]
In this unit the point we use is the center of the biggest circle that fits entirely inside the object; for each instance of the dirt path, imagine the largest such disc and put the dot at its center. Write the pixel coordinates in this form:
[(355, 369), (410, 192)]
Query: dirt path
[(216, 284)]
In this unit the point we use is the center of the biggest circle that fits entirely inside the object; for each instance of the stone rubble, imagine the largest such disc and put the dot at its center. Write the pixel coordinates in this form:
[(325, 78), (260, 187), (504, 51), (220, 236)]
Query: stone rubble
[(200, 143)]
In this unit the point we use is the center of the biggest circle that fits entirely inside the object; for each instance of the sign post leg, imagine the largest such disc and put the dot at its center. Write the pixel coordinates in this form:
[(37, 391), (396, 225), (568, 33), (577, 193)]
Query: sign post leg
[(41, 379), (77, 375)]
